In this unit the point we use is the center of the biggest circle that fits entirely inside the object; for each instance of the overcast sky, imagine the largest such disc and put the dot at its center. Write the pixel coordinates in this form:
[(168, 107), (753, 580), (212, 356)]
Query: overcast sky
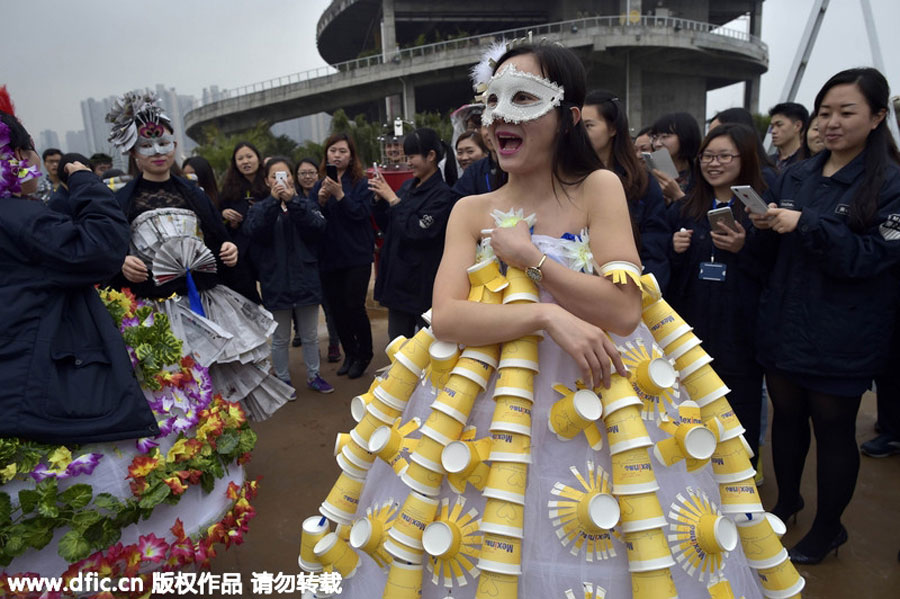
[(57, 53)]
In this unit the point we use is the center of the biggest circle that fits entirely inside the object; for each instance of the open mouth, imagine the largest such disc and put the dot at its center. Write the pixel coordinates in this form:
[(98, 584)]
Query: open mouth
[(509, 143)]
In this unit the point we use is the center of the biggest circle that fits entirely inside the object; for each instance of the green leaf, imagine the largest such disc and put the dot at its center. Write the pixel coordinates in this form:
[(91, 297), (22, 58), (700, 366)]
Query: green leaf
[(207, 482), (81, 520), (5, 509), (129, 514), (77, 496), (28, 500), (47, 507), (73, 547), (93, 534), (154, 495), (248, 441), (40, 537), (15, 545), (111, 533), (227, 442), (107, 501)]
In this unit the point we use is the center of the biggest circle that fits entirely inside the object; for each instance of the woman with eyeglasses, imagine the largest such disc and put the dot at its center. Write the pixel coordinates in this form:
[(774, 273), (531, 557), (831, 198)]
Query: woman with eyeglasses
[(717, 276), (678, 133)]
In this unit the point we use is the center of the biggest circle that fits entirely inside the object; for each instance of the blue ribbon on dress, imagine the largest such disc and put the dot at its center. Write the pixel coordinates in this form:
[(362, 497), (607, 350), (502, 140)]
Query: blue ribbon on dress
[(194, 295)]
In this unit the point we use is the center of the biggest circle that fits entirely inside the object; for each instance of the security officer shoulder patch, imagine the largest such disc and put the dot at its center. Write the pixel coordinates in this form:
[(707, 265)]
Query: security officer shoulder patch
[(426, 221), (890, 228)]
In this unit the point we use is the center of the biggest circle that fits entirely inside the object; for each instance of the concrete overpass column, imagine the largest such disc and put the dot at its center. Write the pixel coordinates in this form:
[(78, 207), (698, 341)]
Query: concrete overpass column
[(634, 78), (751, 95), (409, 100), (388, 30)]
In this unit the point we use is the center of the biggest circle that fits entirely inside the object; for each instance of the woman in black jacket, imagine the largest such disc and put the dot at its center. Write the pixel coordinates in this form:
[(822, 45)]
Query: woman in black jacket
[(284, 230), (414, 220), (347, 249), (826, 316), (607, 126), (716, 273)]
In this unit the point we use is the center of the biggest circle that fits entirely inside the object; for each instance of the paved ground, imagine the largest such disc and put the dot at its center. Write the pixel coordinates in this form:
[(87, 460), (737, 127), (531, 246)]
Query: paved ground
[(294, 458)]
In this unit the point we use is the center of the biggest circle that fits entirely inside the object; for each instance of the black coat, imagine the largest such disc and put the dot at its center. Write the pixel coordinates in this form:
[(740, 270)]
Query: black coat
[(349, 238), (480, 177), (65, 376), (242, 278), (214, 235), (723, 314), (649, 215), (284, 251), (830, 305), (413, 243)]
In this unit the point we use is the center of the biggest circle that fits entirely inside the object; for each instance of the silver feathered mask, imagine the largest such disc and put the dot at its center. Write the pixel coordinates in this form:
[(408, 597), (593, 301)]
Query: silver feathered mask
[(133, 112)]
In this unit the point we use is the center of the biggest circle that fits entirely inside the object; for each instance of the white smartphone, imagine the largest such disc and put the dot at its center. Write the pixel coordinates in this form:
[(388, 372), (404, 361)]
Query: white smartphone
[(721, 215), (662, 160), (750, 198), (281, 176)]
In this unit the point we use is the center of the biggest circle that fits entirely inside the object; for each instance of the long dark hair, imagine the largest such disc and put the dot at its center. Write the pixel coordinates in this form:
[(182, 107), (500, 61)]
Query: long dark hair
[(686, 128), (236, 185), (700, 199), (354, 167), (622, 157), (880, 145), (205, 176), (743, 116), (573, 155), (19, 138)]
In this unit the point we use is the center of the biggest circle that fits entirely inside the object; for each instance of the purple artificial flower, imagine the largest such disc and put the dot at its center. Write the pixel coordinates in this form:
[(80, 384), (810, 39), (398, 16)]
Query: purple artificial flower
[(83, 464), (145, 444)]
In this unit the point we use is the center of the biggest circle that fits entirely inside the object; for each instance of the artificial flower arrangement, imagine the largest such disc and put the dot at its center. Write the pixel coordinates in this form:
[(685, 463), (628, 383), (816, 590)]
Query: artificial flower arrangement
[(204, 435)]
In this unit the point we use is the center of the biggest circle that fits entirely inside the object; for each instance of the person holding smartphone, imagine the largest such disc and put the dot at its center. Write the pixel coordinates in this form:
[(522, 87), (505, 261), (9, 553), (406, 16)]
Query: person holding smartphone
[(717, 276), (679, 133), (347, 249), (285, 230), (828, 312)]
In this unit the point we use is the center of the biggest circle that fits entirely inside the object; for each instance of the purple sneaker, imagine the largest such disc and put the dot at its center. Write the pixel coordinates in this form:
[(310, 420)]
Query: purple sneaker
[(319, 384)]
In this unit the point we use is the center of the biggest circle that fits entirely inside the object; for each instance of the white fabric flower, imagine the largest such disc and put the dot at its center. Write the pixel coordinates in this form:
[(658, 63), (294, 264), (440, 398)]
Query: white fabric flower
[(578, 253)]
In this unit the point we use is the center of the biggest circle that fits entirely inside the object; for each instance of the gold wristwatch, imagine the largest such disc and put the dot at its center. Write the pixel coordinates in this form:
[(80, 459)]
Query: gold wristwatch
[(534, 272)]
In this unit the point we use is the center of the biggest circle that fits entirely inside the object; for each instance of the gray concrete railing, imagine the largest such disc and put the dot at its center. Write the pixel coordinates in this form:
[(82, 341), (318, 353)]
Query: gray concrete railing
[(537, 31)]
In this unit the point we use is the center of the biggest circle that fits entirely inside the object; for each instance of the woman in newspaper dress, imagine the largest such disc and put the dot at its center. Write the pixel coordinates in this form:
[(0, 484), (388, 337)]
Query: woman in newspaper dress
[(179, 252)]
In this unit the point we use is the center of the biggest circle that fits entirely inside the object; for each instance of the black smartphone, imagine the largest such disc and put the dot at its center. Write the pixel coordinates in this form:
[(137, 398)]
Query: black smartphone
[(331, 171)]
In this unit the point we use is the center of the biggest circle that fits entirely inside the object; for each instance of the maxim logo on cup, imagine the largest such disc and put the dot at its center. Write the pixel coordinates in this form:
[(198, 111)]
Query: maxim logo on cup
[(739, 489), (499, 545), (502, 437), (417, 523), (351, 499), (663, 322), (612, 429), (520, 409), (638, 467)]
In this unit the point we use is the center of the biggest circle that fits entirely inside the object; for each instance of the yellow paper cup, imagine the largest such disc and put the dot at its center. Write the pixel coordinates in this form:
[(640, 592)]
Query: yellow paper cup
[(404, 581), (414, 353), (503, 518), (740, 497), (648, 550), (428, 454), (653, 584), (459, 457), (511, 415), (343, 499), (474, 370), (654, 376), (619, 395), (625, 430), (417, 513), (664, 323), (489, 354), (521, 288), (442, 539), (597, 512), (720, 590), (333, 551), (716, 534), (364, 429), (521, 353), (443, 358), (382, 411), (388, 399), (650, 291), (385, 442), (720, 408), (500, 554), (367, 534), (313, 529), (357, 455), (340, 440), (691, 361), (358, 406), (400, 381), (574, 413), (457, 398), (668, 452), (493, 585), (403, 552), (679, 346), (394, 346), (632, 472), (510, 447), (485, 272), (518, 382), (762, 547), (704, 386), (730, 462), (696, 441), (349, 468), (442, 428), (507, 481), (424, 480), (781, 581), (641, 512)]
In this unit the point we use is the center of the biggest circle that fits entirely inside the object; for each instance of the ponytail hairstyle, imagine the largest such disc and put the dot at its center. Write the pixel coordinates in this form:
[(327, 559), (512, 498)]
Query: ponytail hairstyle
[(574, 157), (422, 141), (206, 178), (623, 157), (880, 146)]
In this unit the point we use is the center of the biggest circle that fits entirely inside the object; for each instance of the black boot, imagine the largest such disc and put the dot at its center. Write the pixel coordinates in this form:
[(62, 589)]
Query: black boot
[(346, 366), (358, 368)]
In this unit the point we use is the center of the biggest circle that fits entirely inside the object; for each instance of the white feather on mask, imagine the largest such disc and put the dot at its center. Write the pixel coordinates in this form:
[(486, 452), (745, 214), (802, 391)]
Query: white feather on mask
[(481, 73)]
